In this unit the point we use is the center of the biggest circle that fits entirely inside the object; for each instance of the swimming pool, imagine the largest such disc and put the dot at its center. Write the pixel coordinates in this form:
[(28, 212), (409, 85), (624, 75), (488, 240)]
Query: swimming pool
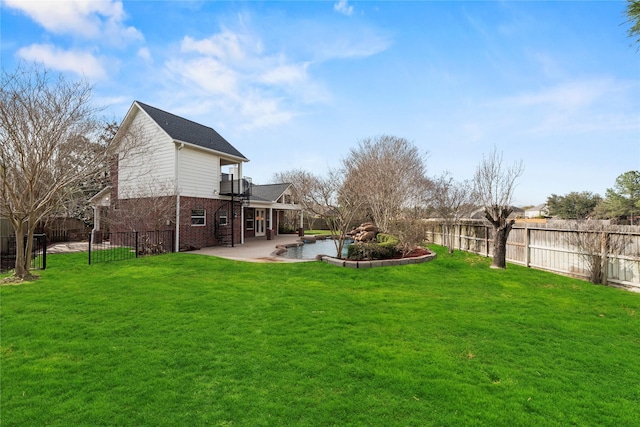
[(310, 250)]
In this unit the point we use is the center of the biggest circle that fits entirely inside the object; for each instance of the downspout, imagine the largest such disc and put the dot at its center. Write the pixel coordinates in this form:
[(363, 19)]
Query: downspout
[(177, 189)]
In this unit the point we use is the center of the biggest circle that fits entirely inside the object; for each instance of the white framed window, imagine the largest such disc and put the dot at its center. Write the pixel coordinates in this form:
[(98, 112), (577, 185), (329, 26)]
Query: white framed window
[(249, 213), (223, 218), (198, 217)]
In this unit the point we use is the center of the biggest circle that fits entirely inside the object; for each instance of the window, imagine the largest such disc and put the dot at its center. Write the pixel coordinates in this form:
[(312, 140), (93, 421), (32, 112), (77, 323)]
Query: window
[(250, 218), (223, 217), (198, 217)]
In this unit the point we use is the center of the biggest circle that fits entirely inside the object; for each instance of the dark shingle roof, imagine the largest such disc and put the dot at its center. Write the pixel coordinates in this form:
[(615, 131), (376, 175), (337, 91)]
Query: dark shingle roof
[(184, 130), (268, 192)]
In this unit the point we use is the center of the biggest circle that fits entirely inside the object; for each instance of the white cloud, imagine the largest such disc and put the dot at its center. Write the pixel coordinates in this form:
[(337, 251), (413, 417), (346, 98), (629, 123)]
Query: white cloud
[(206, 74), (570, 95), (145, 54), (257, 82), (343, 7), (226, 46), (575, 107), (264, 112), (285, 74), (231, 72), (82, 63), (91, 19), (366, 43)]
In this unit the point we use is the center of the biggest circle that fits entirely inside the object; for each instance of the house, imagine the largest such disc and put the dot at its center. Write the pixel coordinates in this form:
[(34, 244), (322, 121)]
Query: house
[(175, 173), (539, 211)]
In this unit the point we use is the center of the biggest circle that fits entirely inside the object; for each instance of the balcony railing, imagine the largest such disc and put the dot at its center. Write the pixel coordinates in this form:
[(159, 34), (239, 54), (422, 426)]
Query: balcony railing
[(236, 187)]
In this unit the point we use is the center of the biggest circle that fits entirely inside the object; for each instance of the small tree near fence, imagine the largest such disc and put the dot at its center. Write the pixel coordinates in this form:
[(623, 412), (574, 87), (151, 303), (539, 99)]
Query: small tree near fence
[(449, 200), (594, 241), (494, 187)]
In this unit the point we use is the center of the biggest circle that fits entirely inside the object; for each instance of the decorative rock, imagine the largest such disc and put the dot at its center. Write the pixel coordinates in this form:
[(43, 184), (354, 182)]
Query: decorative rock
[(366, 232)]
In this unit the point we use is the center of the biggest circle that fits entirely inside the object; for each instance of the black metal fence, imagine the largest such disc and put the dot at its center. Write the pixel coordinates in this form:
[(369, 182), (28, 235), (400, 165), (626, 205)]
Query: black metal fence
[(129, 244), (8, 251)]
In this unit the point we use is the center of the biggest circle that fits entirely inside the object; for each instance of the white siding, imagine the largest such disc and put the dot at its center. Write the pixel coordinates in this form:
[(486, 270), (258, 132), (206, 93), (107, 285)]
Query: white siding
[(199, 173), (149, 171)]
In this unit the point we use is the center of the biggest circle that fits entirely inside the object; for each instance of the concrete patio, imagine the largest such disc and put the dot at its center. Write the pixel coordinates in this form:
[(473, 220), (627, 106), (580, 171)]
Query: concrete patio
[(253, 250)]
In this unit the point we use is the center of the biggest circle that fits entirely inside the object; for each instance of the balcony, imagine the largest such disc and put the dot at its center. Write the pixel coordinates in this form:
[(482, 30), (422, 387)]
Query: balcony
[(235, 187)]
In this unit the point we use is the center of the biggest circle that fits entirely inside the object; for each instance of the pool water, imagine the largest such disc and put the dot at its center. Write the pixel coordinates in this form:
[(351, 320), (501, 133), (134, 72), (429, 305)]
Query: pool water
[(311, 250)]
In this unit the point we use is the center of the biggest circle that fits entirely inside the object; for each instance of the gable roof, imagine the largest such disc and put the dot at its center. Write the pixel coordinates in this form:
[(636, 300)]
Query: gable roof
[(184, 130), (268, 192)]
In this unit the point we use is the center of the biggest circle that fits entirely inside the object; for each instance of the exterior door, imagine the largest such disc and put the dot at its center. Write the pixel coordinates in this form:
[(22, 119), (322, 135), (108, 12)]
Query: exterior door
[(260, 222)]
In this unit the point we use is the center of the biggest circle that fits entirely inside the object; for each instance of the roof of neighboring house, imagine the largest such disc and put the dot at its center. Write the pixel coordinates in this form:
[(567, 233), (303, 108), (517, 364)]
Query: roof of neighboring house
[(479, 213), (540, 207), (184, 130), (268, 192)]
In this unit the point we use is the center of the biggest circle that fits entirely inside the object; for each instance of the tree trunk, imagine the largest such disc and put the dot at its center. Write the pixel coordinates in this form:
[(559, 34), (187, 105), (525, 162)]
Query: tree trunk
[(500, 236), (28, 249), (498, 217), (20, 270)]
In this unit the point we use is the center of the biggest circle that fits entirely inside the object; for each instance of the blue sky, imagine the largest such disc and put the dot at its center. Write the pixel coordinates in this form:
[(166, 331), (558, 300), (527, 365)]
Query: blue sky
[(296, 84)]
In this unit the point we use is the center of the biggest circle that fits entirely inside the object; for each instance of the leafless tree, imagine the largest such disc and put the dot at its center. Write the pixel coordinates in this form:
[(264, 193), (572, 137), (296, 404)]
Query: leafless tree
[(48, 129), (387, 174), (494, 186), (152, 207), (410, 229), (595, 240), (449, 201), (303, 183)]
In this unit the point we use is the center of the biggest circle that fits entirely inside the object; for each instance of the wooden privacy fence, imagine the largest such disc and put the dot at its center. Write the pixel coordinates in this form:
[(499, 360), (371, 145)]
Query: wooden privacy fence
[(552, 248)]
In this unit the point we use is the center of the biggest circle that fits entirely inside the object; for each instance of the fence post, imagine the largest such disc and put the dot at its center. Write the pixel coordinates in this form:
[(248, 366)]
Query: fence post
[(486, 240), (527, 237), (90, 239), (136, 237), (604, 245), (44, 251)]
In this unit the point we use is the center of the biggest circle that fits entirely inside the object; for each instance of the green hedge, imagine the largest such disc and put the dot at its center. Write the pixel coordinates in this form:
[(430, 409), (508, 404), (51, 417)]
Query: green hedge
[(385, 247)]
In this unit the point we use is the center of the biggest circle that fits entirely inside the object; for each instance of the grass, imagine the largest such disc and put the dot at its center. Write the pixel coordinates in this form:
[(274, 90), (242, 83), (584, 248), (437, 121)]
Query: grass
[(189, 340), (317, 232)]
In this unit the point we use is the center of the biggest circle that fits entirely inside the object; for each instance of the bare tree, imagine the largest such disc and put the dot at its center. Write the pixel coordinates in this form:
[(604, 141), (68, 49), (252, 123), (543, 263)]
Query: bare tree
[(48, 126), (151, 208), (388, 174), (303, 183), (327, 198), (494, 186), (450, 200), (410, 229), (594, 241)]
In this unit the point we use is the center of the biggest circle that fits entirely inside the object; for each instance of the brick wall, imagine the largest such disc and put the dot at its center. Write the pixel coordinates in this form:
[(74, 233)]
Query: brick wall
[(200, 236)]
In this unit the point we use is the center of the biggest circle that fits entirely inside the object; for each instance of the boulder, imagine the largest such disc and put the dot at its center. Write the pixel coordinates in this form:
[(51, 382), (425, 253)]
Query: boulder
[(366, 232)]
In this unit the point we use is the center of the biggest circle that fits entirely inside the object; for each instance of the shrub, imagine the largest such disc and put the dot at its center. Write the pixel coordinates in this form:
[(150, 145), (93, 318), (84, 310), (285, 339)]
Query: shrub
[(385, 247)]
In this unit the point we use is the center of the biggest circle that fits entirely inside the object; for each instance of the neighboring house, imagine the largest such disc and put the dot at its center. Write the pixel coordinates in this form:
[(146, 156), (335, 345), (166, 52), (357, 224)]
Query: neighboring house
[(184, 175), (539, 211), (479, 213)]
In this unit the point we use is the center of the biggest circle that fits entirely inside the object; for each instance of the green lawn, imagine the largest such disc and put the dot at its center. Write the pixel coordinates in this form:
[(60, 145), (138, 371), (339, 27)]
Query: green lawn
[(317, 232), (190, 340)]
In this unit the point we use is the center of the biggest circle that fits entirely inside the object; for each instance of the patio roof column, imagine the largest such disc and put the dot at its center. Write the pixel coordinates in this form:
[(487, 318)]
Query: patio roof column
[(96, 217)]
